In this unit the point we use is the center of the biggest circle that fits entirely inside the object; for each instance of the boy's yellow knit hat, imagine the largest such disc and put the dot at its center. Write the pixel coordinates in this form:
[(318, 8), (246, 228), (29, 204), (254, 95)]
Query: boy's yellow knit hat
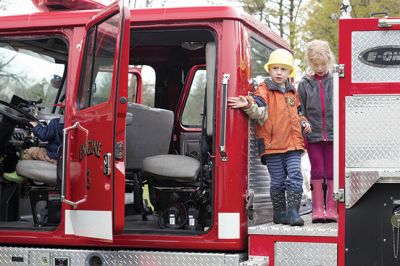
[(281, 57)]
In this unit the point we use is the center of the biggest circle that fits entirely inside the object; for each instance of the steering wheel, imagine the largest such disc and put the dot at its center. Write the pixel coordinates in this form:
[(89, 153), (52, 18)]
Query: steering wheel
[(15, 114)]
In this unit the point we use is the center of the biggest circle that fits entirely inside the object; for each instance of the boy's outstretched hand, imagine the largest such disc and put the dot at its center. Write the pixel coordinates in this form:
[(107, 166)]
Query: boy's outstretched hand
[(237, 102)]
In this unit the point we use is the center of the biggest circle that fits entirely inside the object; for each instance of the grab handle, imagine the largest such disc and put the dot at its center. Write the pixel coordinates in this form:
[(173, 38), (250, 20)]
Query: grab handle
[(74, 204), (222, 142)]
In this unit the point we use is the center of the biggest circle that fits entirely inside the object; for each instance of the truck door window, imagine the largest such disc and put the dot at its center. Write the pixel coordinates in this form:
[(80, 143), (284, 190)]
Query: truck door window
[(27, 71), (132, 86), (32, 80), (99, 60), (148, 86), (259, 53), (192, 113)]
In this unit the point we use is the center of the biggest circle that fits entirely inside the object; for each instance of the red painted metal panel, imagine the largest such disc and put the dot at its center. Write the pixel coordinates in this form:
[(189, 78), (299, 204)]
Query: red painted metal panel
[(346, 27), (120, 81), (348, 88), (105, 192)]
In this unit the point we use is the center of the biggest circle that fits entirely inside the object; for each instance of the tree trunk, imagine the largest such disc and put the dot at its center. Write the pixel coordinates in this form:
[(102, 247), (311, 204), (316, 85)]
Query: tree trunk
[(292, 26), (281, 14)]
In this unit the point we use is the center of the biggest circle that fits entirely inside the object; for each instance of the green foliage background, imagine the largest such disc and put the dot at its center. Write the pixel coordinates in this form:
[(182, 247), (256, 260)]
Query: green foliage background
[(317, 19)]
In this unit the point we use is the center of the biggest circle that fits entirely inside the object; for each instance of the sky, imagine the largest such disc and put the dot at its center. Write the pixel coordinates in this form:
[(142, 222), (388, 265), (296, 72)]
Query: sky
[(16, 7)]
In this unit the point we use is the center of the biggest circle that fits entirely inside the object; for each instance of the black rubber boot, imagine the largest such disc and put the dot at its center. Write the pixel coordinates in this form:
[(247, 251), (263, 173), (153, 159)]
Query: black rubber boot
[(278, 199), (294, 199)]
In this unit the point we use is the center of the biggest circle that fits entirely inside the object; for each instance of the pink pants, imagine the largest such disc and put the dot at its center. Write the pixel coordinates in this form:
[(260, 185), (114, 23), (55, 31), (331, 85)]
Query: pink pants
[(321, 159)]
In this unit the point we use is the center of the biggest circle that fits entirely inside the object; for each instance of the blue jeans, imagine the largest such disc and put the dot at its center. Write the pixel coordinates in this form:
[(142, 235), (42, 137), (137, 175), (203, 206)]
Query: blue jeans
[(285, 171)]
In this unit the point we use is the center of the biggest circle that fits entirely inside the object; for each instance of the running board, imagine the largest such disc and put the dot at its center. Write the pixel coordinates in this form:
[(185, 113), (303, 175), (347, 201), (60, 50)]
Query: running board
[(46, 256), (309, 229)]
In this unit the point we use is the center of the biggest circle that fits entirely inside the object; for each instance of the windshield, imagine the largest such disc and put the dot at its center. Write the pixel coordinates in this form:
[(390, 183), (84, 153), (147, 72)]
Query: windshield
[(32, 70)]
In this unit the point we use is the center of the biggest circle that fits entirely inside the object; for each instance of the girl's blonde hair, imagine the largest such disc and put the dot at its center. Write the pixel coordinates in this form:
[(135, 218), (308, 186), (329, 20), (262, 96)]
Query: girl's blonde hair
[(317, 51)]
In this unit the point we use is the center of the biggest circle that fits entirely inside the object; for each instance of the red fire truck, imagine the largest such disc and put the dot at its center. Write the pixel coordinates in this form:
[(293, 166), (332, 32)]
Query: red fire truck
[(154, 169)]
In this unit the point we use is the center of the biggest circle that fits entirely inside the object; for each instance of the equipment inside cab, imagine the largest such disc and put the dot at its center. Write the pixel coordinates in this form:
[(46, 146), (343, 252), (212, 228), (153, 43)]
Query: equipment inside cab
[(30, 193), (168, 148)]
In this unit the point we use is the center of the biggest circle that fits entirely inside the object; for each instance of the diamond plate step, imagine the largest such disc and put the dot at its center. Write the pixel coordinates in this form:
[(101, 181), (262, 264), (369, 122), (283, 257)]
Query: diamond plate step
[(256, 261), (309, 229)]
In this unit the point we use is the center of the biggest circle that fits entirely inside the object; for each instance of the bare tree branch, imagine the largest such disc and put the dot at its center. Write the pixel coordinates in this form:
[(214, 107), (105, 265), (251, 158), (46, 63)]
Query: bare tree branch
[(6, 63), (297, 10)]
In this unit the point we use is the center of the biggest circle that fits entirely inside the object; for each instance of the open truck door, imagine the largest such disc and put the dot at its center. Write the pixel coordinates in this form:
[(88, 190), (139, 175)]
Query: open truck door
[(93, 182), (369, 143)]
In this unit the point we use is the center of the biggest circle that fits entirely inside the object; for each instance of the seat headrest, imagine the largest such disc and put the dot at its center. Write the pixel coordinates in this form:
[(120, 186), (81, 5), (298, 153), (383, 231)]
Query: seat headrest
[(148, 134)]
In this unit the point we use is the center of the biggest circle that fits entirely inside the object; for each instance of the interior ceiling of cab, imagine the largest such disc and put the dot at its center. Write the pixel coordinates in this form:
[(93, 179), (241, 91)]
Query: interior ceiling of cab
[(161, 46), (170, 37)]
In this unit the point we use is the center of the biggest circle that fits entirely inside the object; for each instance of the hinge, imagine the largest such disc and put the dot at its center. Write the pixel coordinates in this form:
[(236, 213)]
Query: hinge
[(119, 151), (339, 196), (387, 22), (340, 70)]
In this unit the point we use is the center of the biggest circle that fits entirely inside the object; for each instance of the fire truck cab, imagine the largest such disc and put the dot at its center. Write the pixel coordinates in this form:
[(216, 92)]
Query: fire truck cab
[(151, 159), (154, 168)]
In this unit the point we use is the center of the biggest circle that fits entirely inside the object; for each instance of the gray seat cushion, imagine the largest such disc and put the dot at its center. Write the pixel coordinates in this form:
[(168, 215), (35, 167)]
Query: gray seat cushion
[(39, 171), (148, 134), (171, 167)]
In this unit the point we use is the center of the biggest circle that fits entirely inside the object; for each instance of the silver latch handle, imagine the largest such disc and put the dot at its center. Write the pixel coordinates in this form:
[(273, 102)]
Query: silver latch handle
[(388, 22), (335, 131)]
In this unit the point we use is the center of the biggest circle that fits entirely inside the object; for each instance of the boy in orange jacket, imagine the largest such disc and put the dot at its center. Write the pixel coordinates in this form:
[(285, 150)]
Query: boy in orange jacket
[(276, 107)]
